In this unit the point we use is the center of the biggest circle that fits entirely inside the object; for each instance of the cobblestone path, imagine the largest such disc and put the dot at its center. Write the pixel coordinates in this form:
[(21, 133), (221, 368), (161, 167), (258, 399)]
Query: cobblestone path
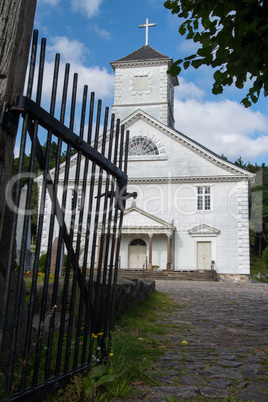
[(226, 355)]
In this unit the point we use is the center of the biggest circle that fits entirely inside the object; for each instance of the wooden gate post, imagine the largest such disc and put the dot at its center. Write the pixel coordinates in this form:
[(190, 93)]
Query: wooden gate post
[(16, 25)]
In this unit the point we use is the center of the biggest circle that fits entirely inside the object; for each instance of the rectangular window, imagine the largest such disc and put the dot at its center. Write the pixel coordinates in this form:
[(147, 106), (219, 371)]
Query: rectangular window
[(79, 199), (203, 198)]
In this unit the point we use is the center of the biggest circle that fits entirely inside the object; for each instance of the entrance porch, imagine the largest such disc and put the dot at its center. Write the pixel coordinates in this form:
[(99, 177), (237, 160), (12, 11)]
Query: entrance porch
[(146, 242)]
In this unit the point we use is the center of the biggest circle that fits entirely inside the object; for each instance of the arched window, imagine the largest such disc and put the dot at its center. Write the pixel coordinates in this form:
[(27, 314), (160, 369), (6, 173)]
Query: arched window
[(142, 146), (137, 242)]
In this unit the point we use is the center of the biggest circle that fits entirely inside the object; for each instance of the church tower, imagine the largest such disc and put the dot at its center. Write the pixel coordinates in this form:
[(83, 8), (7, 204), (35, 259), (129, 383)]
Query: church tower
[(142, 82)]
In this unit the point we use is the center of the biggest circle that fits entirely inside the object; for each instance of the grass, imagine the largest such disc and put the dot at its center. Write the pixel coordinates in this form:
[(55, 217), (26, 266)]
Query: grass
[(258, 265), (135, 346)]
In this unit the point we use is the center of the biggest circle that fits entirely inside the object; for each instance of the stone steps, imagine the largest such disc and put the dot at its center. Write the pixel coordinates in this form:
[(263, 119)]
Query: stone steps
[(169, 275)]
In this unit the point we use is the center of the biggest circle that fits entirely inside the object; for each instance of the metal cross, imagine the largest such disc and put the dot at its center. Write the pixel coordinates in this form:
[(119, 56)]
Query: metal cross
[(147, 25)]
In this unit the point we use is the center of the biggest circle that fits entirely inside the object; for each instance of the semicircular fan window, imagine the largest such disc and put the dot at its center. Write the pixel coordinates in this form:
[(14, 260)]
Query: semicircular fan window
[(142, 146)]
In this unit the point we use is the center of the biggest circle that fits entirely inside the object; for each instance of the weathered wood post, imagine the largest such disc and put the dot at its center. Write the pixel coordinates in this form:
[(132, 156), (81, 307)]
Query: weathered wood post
[(16, 25)]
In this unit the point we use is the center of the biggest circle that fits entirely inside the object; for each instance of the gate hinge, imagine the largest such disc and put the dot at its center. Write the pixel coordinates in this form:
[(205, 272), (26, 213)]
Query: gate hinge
[(9, 120)]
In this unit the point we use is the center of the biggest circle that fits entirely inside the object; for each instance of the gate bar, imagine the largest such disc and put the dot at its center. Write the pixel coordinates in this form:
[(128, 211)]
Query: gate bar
[(59, 129)]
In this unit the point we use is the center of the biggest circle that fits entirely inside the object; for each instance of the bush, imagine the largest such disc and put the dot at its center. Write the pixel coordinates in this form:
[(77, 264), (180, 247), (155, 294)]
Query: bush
[(265, 256), (42, 262)]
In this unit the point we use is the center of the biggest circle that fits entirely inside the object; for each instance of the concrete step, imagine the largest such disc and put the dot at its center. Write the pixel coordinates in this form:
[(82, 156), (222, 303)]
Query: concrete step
[(169, 275)]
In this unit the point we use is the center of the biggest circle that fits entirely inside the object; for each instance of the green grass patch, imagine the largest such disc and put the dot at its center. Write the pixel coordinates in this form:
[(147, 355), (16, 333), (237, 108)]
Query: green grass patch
[(257, 264), (134, 340), (135, 346)]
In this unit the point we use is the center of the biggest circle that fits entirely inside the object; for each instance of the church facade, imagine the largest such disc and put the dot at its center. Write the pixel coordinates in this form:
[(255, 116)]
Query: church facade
[(191, 210)]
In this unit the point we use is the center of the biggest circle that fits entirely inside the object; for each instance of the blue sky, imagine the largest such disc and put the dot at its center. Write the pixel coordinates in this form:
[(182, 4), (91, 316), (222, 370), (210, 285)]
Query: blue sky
[(91, 33)]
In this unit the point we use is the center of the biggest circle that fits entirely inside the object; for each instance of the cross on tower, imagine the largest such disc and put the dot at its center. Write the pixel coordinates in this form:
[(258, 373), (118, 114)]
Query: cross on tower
[(147, 25)]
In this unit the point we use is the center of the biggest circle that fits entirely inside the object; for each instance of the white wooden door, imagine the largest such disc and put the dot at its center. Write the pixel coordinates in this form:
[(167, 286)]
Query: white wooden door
[(203, 255), (136, 257)]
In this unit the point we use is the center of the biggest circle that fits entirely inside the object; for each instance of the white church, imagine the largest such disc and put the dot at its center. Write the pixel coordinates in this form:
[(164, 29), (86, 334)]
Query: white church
[(192, 207)]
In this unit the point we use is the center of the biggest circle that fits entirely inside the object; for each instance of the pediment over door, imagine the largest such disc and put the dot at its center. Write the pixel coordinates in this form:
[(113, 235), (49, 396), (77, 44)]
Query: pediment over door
[(138, 221), (204, 230)]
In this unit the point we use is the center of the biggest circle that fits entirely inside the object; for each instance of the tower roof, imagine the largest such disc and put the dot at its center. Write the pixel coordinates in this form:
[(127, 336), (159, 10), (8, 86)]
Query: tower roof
[(144, 53)]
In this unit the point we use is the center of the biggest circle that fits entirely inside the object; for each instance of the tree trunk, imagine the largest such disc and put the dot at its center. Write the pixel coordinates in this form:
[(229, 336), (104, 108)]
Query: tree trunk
[(16, 24)]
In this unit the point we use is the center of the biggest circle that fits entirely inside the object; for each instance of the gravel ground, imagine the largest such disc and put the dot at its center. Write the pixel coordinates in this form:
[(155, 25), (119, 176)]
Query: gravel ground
[(217, 344)]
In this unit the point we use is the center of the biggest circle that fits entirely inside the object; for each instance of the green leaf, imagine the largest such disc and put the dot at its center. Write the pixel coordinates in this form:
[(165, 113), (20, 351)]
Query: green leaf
[(217, 75), (106, 378), (239, 83), (217, 89), (197, 63), (97, 371), (232, 36), (182, 29), (254, 98), (203, 52), (174, 70), (246, 102), (186, 64), (190, 57)]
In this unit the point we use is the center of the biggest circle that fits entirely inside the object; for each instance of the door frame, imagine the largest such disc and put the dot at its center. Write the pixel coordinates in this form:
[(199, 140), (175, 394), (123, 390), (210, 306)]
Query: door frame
[(145, 254), (212, 240), (197, 251)]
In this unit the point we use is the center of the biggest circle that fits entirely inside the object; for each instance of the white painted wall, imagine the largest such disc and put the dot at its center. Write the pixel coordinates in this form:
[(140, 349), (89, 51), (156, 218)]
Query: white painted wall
[(177, 202)]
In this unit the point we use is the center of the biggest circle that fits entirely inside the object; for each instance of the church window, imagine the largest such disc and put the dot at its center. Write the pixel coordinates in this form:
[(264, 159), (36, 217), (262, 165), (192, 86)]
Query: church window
[(79, 199), (141, 83), (203, 198), (138, 242), (142, 146)]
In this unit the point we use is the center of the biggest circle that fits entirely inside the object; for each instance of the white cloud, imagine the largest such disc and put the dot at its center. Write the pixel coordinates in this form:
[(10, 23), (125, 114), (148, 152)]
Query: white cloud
[(102, 33), (52, 3), (224, 127), (188, 90), (88, 7), (187, 47), (98, 79), (70, 50)]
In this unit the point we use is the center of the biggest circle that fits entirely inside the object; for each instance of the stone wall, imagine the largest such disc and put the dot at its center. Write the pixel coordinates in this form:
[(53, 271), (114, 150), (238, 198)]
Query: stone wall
[(130, 292), (232, 278)]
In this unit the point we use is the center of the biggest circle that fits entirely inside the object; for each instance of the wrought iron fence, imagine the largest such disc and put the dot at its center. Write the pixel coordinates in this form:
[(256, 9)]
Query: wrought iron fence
[(57, 322)]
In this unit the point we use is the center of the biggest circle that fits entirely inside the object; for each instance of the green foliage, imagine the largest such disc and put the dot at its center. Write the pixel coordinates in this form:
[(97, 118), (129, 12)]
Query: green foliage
[(257, 265), (134, 349), (258, 206), (42, 262), (87, 388), (233, 39), (120, 388), (265, 256)]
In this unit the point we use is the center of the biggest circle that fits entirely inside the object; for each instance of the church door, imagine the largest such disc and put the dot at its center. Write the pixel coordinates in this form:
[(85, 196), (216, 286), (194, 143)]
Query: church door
[(203, 255), (137, 254)]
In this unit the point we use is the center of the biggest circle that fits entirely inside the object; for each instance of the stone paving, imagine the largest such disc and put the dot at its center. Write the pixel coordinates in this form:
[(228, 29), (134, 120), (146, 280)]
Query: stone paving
[(218, 343)]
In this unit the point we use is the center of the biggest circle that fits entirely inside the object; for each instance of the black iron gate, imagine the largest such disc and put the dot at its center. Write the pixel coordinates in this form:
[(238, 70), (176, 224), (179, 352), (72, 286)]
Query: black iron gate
[(60, 323)]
